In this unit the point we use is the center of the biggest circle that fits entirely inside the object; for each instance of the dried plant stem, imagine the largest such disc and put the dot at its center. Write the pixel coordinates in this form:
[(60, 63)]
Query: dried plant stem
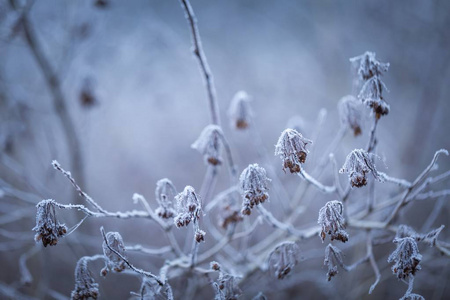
[(372, 139), (373, 262), (157, 251), (313, 181)]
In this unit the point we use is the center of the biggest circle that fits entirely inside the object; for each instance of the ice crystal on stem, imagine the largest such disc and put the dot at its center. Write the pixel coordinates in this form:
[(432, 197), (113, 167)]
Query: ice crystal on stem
[(189, 207), (240, 112), (253, 184), (350, 111), (332, 221), (358, 164), (48, 229), (282, 259), (208, 144), (165, 191), (114, 262), (406, 257), (333, 258), (85, 286), (291, 147)]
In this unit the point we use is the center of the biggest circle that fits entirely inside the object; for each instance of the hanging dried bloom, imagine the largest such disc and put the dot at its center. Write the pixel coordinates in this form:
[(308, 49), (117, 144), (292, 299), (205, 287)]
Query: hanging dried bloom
[(333, 259), (85, 286), (189, 207), (368, 66), (240, 112), (350, 111), (371, 94), (227, 287), (48, 229), (358, 164), (253, 184), (291, 147), (114, 262), (208, 144), (429, 238), (165, 191), (332, 221), (282, 259), (406, 257)]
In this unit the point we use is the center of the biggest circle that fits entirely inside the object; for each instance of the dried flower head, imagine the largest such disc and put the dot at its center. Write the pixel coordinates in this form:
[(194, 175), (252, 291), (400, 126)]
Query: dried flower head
[(368, 66), (253, 184), (406, 257), (429, 238), (85, 286), (282, 259), (358, 164), (333, 258), (371, 94), (332, 221), (200, 235), (240, 112), (208, 144), (215, 266), (227, 287), (189, 207), (350, 111), (48, 229), (114, 262), (165, 191), (291, 147)]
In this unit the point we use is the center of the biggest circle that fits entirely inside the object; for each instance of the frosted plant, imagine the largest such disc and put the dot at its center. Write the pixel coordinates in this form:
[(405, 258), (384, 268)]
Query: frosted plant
[(226, 287), (240, 111), (189, 207), (85, 286), (291, 147), (429, 238), (406, 257), (350, 112), (282, 259), (113, 262), (332, 221), (333, 259), (164, 192), (358, 164), (368, 66), (230, 211), (412, 296), (208, 144), (253, 185), (48, 229)]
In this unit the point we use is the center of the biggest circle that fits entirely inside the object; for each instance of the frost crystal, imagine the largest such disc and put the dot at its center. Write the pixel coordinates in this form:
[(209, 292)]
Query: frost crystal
[(253, 184), (350, 111), (282, 259), (114, 262), (188, 207), (48, 229), (85, 286), (406, 257), (333, 258), (165, 191), (240, 112), (358, 164), (332, 222), (227, 287), (208, 144), (429, 238), (291, 147)]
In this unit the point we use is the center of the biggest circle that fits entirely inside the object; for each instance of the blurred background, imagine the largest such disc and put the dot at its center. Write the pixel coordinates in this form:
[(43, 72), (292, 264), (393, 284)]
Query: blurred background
[(134, 101)]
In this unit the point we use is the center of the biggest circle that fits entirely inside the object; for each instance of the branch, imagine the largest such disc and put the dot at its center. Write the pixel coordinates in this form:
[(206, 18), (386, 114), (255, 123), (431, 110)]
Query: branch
[(321, 187)]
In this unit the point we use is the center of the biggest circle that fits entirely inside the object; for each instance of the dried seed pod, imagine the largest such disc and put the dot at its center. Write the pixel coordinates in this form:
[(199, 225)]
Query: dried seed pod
[(333, 259), (253, 184), (85, 286), (406, 257), (240, 112), (291, 147), (350, 111), (208, 144), (114, 262), (332, 221), (358, 164), (48, 229), (165, 191), (189, 207), (283, 259)]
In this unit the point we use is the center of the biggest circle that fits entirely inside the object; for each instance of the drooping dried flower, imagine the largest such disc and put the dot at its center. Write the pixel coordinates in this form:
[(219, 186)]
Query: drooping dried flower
[(189, 207), (164, 192), (48, 229), (333, 259), (253, 185), (358, 164), (332, 221), (85, 286), (350, 111), (429, 238), (406, 257), (240, 112), (227, 287), (291, 147), (208, 144), (114, 262), (282, 259)]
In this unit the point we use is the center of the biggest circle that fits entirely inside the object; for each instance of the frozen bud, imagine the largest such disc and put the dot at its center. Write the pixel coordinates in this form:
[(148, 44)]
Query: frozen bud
[(165, 191), (240, 112), (371, 94), (368, 66), (114, 262), (208, 144), (291, 147), (333, 259), (358, 164), (227, 287), (215, 266), (253, 185), (200, 235), (189, 207), (406, 257), (85, 286), (282, 259), (332, 221), (48, 229), (350, 111)]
